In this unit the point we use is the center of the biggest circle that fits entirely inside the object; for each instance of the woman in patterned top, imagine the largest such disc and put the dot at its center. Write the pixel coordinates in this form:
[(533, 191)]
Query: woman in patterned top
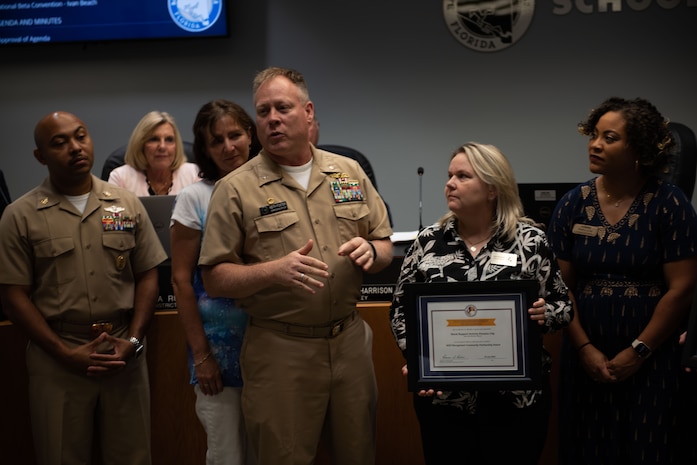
[(626, 243), (224, 134), (485, 236)]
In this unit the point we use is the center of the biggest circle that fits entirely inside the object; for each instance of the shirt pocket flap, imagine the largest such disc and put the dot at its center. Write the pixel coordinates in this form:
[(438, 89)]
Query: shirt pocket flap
[(353, 211), (120, 241), (276, 221), (54, 247)]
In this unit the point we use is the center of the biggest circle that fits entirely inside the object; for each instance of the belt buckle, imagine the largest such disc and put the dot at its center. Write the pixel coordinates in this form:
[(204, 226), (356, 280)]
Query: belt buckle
[(337, 329), (101, 327)]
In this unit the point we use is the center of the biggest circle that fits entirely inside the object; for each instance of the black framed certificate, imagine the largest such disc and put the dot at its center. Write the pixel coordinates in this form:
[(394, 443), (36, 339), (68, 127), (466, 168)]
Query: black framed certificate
[(472, 335)]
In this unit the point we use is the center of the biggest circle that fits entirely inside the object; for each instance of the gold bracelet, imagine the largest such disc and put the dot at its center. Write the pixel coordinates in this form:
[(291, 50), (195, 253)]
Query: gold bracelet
[(203, 359)]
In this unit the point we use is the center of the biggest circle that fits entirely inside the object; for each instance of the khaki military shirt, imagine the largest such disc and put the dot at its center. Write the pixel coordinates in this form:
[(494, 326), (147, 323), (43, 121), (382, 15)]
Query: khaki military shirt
[(81, 267), (260, 213)]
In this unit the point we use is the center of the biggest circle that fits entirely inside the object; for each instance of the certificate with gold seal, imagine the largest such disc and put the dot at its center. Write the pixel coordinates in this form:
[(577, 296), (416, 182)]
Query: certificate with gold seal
[(472, 335)]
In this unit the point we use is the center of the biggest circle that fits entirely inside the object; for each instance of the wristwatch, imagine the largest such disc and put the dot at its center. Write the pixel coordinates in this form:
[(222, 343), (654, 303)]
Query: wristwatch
[(640, 348), (138, 345)]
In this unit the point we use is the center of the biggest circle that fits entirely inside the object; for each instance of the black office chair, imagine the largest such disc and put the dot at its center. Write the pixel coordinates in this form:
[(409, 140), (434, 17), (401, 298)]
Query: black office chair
[(362, 160), (115, 159), (682, 165), (4, 193), (356, 155)]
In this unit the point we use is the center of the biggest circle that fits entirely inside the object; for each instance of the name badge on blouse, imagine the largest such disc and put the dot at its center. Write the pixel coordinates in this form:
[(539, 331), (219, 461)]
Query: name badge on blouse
[(505, 259), (585, 230)]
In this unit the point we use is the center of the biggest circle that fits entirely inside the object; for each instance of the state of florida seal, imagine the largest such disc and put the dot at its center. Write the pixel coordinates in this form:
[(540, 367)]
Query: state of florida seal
[(488, 25), (194, 15)]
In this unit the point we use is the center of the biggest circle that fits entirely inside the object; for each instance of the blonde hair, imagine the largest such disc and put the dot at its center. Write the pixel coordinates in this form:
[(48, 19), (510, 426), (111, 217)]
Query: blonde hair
[(493, 168), (292, 75), (135, 156)]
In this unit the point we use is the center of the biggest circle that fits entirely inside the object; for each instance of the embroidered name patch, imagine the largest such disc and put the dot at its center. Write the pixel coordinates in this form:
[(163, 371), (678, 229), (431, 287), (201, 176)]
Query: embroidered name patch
[(273, 208)]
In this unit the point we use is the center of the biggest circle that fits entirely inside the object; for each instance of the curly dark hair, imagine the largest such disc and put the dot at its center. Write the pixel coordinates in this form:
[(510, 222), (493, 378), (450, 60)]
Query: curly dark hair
[(206, 117), (647, 131)]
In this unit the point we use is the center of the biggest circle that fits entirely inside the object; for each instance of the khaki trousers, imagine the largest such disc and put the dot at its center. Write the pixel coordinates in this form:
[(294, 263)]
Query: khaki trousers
[(294, 387), (69, 411)]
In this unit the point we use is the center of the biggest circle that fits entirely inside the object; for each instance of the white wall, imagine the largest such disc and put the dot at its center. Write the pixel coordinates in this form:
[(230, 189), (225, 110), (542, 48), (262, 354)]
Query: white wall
[(386, 77)]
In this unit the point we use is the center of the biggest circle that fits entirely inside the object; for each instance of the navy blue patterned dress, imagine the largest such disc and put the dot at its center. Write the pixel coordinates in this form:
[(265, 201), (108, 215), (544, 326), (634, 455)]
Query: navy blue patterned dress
[(620, 280)]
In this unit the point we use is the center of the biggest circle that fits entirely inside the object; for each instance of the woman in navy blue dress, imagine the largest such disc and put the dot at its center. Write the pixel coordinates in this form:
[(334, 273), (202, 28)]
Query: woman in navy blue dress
[(626, 243)]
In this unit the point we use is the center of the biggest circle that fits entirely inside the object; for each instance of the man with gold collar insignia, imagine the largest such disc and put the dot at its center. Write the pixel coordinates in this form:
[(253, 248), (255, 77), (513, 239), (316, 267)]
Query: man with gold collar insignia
[(79, 277), (289, 234)]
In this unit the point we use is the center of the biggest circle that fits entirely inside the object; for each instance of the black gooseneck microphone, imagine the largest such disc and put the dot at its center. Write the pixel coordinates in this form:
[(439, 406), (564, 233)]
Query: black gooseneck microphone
[(420, 172)]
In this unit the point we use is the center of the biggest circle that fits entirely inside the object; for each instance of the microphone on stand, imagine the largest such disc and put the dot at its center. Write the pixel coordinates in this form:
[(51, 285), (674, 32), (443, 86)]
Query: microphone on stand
[(420, 172)]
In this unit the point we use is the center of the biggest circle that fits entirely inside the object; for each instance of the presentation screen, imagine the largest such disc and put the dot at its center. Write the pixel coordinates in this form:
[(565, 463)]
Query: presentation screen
[(83, 21)]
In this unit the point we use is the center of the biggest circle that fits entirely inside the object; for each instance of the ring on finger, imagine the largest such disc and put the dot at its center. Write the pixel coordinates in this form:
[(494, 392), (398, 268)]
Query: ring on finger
[(303, 277)]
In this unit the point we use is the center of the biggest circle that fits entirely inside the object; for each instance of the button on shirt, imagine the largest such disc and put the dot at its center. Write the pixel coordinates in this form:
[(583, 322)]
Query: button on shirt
[(258, 213), (81, 267)]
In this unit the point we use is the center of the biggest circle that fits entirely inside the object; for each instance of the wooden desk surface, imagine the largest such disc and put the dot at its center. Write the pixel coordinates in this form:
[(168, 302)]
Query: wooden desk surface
[(177, 436)]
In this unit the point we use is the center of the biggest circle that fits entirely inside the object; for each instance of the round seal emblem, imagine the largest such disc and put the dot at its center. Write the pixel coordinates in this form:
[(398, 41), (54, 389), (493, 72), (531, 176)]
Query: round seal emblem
[(470, 310), (488, 25), (194, 15)]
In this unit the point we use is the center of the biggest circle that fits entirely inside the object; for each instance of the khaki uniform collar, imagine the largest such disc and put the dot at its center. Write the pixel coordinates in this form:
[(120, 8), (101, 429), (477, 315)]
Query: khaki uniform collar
[(269, 171), (48, 196)]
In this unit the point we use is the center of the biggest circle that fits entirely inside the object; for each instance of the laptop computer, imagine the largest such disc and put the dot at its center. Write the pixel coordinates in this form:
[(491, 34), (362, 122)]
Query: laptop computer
[(159, 208)]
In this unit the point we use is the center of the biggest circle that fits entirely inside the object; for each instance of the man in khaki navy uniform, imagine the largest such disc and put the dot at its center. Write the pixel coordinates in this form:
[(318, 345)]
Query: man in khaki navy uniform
[(79, 277), (289, 235)]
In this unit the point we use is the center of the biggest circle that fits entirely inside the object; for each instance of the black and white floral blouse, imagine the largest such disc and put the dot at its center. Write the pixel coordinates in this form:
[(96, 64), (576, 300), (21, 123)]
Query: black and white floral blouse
[(439, 255)]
